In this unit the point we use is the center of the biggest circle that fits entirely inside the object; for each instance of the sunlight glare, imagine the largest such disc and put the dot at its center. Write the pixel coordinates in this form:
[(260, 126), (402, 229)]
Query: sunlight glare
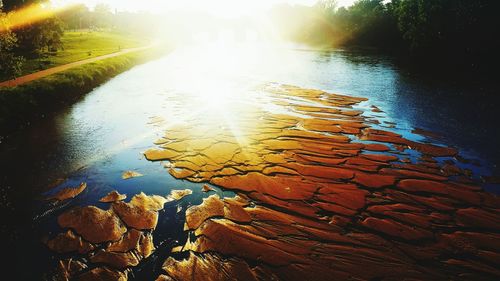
[(31, 14)]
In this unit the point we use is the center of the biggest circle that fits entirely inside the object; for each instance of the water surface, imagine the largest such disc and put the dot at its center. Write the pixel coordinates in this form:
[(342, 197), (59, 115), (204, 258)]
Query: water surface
[(104, 134)]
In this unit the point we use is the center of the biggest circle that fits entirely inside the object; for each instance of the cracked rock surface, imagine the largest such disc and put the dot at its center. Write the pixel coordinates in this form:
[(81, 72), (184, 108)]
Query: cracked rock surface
[(324, 194), (319, 191)]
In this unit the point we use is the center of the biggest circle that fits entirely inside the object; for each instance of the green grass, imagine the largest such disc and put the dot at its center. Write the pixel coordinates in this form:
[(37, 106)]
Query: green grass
[(84, 44), (31, 101)]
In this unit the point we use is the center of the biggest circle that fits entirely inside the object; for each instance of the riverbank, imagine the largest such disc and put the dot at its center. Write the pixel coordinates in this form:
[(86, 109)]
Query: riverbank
[(22, 105)]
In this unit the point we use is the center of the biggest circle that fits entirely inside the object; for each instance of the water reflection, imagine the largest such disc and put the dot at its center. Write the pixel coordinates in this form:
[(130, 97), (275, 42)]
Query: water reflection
[(106, 132)]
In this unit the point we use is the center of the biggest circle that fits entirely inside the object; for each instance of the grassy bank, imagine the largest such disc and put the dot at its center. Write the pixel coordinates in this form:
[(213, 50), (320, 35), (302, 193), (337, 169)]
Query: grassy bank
[(21, 105), (80, 45)]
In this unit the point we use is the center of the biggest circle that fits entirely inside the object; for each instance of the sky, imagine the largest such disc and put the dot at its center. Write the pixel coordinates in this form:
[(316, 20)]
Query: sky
[(221, 7)]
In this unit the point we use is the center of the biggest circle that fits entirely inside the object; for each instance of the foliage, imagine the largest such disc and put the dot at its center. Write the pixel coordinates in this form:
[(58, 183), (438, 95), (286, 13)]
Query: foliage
[(20, 104), (40, 36), (10, 64), (80, 17), (79, 45), (466, 30), (11, 5)]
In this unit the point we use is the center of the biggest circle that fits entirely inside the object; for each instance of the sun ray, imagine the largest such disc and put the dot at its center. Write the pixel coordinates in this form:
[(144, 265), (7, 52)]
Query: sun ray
[(31, 14)]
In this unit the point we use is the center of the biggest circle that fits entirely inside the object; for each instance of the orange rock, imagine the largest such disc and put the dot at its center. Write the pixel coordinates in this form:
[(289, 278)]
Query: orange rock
[(102, 273), (207, 188), (396, 229), (212, 206), (321, 171), (401, 173), (279, 187), (344, 195), (423, 186), (379, 157), (235, 212), (335, 209), (69, 242), (115, 259), (68, 268), (93, 224), (131, 174), (146, 247), (478, 218), (179, 194), (161, 154), (374, 180), (113, 196), (209, 267), (136, 216), (68, 193), (128, 242)]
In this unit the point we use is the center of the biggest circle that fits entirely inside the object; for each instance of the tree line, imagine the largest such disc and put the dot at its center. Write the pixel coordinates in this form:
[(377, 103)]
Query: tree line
[(44, 36), (459, 31)]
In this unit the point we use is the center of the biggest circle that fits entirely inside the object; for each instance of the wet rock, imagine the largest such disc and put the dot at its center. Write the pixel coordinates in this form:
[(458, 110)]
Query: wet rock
[(376, 147), (212, 206), (235, 212), (414, 185), (93, 224), (179, 194), (68, 268), (69, 242), (374, 180), (207, 188), (314, 204), (68, 192), (146, 246), (161, 154), (128, 242), (425, 133), (478, 218), (116, 260), (141, 212), (279, 187), (113, 196), (376, 109), (134, 216), (322, 172), (348, 196), (396, 229), (131, 174), (164, 278), (102, 274), (148, 202), (208, 268)]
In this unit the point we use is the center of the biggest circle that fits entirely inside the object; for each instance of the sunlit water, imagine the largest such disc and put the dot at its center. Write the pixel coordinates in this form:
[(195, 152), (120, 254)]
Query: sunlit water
[(105, 133)]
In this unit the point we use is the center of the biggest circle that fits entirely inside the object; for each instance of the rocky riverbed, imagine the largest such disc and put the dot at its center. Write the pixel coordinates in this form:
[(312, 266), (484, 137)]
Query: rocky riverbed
[(323, 190)]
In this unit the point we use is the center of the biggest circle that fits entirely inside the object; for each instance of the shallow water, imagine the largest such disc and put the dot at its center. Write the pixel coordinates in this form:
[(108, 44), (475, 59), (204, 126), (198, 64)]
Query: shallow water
[(105, 133)]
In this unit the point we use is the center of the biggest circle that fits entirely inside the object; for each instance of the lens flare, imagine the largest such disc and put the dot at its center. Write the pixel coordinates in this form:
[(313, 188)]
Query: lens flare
[(31, 14)]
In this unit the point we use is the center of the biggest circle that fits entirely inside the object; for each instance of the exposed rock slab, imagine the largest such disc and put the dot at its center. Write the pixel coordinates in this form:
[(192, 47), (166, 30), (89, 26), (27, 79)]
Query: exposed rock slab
[(68, 192), (93, 224), (113, 196)]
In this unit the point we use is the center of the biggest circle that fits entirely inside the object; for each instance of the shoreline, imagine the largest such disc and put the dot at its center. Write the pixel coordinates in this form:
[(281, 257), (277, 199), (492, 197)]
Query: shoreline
[(24, 104)]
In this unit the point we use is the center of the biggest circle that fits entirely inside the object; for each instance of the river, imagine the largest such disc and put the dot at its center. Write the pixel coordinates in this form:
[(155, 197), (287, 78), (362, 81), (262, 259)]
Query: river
[(104, 134)]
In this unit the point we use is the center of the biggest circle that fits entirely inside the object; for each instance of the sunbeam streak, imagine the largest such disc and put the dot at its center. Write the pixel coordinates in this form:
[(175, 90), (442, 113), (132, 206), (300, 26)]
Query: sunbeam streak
[(31, 14)]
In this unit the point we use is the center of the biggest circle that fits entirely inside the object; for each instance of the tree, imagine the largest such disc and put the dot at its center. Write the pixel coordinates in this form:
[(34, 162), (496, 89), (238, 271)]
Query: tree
[(40, 36), (10, 64), (11, 5), (102, 16), (76, 17)]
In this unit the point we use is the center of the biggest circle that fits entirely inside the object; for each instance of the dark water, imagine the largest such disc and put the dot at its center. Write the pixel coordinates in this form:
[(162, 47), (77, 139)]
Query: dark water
[(105, 133)]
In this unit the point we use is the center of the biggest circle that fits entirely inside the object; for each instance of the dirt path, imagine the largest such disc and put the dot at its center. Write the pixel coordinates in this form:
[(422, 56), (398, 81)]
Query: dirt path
[(43, 73)]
